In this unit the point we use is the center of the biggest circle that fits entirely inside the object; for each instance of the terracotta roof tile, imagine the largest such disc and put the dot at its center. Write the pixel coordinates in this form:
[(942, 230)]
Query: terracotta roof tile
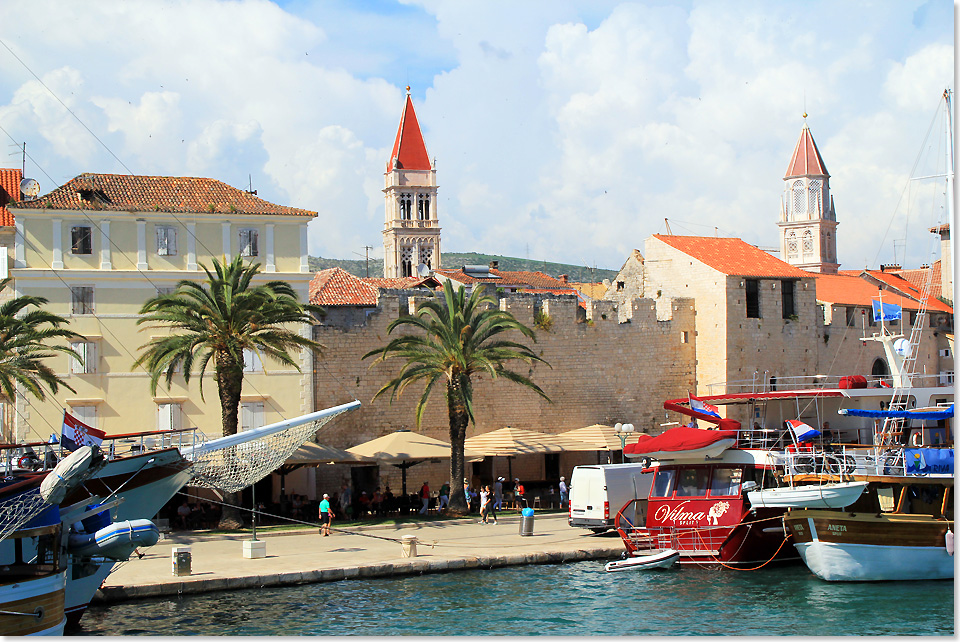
[(335, 286), (9, 192), (806, 160), (732, 256), (917, 278), (409, 150), (125, 193), (845, 289)]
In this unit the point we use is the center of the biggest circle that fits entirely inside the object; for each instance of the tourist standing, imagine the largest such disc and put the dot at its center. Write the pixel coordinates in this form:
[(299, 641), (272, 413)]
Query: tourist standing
[(484, 506), (326, 515), (498, 494), (425, 498), (564, 492), (444, 497), (345, 499), (520, 492), (491, 506)]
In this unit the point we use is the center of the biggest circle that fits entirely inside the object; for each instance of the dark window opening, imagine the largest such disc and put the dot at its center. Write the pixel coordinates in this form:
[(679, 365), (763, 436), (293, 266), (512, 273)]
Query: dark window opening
[(620, 285), (789, 302), (753, 298), (81, 239)]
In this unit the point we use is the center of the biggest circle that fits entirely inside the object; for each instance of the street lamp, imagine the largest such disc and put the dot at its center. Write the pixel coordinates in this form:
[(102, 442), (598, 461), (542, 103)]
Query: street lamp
[(623, 431)]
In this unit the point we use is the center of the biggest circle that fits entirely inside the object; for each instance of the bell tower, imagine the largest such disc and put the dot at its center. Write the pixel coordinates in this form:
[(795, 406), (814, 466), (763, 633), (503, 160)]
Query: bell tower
[(411, 232), (808, 221)]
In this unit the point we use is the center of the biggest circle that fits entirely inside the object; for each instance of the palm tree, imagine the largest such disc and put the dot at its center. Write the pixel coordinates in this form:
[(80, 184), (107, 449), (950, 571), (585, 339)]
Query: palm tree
[(459, 339), (26, 333), (217, 320)]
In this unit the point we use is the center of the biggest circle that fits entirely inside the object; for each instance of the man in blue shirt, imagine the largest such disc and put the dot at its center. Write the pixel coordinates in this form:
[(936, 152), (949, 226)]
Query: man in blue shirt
[(326, 515)]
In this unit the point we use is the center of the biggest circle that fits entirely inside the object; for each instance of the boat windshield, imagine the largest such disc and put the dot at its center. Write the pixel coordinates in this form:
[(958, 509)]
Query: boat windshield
[(726, 481), (693, 482), (663, 483)]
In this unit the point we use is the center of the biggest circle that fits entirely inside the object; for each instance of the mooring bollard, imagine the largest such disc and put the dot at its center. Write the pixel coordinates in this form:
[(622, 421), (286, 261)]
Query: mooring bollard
[(408, 545), (254, 548)]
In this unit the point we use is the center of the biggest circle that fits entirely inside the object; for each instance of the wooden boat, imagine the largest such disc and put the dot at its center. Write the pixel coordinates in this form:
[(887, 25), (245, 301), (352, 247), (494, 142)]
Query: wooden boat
[(861, 547), (830, 495), (665, 558)]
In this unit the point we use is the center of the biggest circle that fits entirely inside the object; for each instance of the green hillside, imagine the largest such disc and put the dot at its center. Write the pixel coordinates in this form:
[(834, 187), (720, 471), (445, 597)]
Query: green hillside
[(576, 273)]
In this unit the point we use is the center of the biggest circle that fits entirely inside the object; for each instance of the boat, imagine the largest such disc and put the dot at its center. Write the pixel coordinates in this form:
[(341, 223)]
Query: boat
[(144, 471), (33, 568), (830, 495), (664, 558)]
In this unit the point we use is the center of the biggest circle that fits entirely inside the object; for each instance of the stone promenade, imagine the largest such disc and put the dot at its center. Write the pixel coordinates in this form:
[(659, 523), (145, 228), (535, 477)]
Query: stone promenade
[(303, 557)]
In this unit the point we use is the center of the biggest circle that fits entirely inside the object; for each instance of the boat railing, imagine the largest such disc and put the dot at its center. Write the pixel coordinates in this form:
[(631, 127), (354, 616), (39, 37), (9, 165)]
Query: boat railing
[(851, 461), (814, 382), (40, 456)]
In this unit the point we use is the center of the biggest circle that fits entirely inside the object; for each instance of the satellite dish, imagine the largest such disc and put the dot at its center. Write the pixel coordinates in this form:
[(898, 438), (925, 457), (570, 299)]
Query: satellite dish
[(902, 347), (423, 271), (29, 189)]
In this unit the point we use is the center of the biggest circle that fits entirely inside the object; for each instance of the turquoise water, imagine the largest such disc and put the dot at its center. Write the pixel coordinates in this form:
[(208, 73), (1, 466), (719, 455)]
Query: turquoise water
[(568, 599)]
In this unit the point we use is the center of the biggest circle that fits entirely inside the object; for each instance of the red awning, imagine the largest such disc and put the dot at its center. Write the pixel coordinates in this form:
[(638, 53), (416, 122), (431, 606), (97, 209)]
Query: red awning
[(679, 439)]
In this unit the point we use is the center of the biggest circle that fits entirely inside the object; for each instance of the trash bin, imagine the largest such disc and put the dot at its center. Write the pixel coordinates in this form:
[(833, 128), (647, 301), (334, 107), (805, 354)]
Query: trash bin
[(526, 521), (408, 545), (182, 559)]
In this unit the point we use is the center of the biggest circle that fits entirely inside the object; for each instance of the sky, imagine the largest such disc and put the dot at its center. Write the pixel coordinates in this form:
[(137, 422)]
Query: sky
[(562, 130)]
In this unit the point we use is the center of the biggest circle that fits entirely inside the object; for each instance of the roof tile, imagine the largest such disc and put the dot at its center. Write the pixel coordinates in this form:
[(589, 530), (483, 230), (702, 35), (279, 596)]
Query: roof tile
[(732, 256), (9, 192), (335, 286)]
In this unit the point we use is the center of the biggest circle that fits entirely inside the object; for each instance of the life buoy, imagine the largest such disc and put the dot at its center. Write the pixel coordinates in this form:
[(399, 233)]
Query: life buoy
[(26, 461), (916, 439)]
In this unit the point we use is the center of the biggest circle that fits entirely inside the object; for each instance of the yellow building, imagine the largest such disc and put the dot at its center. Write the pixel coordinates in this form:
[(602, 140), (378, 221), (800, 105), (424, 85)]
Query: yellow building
[(101, 245)]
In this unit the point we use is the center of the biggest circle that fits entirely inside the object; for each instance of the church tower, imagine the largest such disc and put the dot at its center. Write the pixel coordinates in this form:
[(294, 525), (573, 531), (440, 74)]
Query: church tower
[(808, 221), (411, 232)]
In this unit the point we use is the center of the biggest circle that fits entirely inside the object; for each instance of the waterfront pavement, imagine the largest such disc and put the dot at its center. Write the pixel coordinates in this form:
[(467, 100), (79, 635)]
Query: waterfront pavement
[(352, 551)]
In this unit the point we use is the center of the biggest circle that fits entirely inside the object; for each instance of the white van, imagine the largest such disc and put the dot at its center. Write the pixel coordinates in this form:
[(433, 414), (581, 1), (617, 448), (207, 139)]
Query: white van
[(598, 492)]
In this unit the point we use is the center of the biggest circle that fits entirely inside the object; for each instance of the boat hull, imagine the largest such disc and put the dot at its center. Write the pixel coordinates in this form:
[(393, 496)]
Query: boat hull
[(43, 596), (662, 559), (845, 547), (809, 496)]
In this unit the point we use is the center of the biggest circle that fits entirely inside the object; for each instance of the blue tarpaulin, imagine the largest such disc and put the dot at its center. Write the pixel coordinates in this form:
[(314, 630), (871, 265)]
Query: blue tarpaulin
[(931, 413), (928, 461)]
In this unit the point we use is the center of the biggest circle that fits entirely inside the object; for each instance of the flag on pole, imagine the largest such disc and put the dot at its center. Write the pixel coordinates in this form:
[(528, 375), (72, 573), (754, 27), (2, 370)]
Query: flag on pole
[(802, 431), (76, 433), (885, 311), (701, 406)]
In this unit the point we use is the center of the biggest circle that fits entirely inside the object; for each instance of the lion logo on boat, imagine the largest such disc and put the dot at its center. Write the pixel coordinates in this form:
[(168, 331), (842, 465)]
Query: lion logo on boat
[(716, 511)]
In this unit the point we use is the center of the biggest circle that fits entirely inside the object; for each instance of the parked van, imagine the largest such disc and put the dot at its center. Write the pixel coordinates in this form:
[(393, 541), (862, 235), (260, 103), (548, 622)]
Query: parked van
[(598, 492)]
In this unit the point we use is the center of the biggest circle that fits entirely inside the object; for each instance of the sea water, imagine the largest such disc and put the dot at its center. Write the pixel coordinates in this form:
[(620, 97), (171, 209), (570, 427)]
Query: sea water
[(565, 599)]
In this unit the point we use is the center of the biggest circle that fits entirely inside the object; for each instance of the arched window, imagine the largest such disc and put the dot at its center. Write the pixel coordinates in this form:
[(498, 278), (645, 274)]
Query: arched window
[(798, 199), (406, 207), (406, 261), (792, 245), (814, 199), (807, 243), (423, 207)]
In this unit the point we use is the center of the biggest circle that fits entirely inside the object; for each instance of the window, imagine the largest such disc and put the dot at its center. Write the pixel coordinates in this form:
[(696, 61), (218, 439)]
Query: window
[(166, 240), (726, 481), (620, 286), (251, 415), (423, 207), (692, 482), (248, 242), (406, 206), (851, 316), (798, 200), (87, 364), (945, 352), (792, 245), (251, 361), (684, 336), (814, 199), (168, 416), (663, 483), (81, 239), (753, 298), (946, 377), (807, 243), (86, 414), (81, 299), (789, 302)]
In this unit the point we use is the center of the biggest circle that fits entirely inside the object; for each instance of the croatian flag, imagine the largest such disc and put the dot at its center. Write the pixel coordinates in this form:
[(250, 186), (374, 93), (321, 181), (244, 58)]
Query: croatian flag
[(704, 407), (802, 430), (76, 433), (885, 311)]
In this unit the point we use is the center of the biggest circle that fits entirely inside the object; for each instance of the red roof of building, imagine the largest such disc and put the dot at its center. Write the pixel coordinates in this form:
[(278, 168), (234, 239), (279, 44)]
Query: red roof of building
[(409, 150), (917, 278), (806, 159), (335, 286), (732, 256), (846, 289), (9, 192), (126, 193), (503, 278)]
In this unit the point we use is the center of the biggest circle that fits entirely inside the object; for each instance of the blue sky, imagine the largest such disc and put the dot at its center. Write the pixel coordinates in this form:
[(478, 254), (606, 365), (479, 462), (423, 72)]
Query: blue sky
[(562, 130)]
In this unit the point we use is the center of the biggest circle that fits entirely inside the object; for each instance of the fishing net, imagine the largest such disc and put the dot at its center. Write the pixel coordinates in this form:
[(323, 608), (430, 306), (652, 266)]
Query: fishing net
[(235, 467), (18, 510)]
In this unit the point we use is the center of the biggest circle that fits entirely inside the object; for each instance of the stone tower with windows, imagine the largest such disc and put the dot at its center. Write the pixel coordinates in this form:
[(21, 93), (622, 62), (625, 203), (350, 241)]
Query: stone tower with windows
[(411, 232), (808, 221)]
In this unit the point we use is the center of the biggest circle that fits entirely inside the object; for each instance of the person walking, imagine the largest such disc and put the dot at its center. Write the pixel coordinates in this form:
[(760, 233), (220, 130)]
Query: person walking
[(491, 507), (425, 497), (564, 492), (498, 493), (444, 497), (484, 504), (326, 515)]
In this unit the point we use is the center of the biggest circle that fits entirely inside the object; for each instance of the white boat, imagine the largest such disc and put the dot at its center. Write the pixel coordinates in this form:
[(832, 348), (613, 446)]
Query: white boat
[(665, 558), (838, 495)]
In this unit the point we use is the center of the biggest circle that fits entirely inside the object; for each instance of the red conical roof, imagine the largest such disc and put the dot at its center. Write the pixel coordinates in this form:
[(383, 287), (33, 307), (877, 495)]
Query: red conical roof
[(806, 159), (408, 149)]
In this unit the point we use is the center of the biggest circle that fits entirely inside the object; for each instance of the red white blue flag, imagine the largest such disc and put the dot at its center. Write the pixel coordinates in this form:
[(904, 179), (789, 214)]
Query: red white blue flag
[(702, 406), (802, 431), (76, 433)]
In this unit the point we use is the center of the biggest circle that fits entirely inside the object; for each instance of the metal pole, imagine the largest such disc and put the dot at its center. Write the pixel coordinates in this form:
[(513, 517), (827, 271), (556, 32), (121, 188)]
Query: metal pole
[(253, 496)]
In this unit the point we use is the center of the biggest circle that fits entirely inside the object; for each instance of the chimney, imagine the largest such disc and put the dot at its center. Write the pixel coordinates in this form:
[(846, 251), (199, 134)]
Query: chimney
[(890, 268), (564, 278), (494, 265)]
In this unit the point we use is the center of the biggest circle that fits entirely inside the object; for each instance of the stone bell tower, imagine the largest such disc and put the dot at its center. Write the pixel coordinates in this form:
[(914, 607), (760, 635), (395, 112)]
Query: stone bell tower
[(808, 221), (411, 232)]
